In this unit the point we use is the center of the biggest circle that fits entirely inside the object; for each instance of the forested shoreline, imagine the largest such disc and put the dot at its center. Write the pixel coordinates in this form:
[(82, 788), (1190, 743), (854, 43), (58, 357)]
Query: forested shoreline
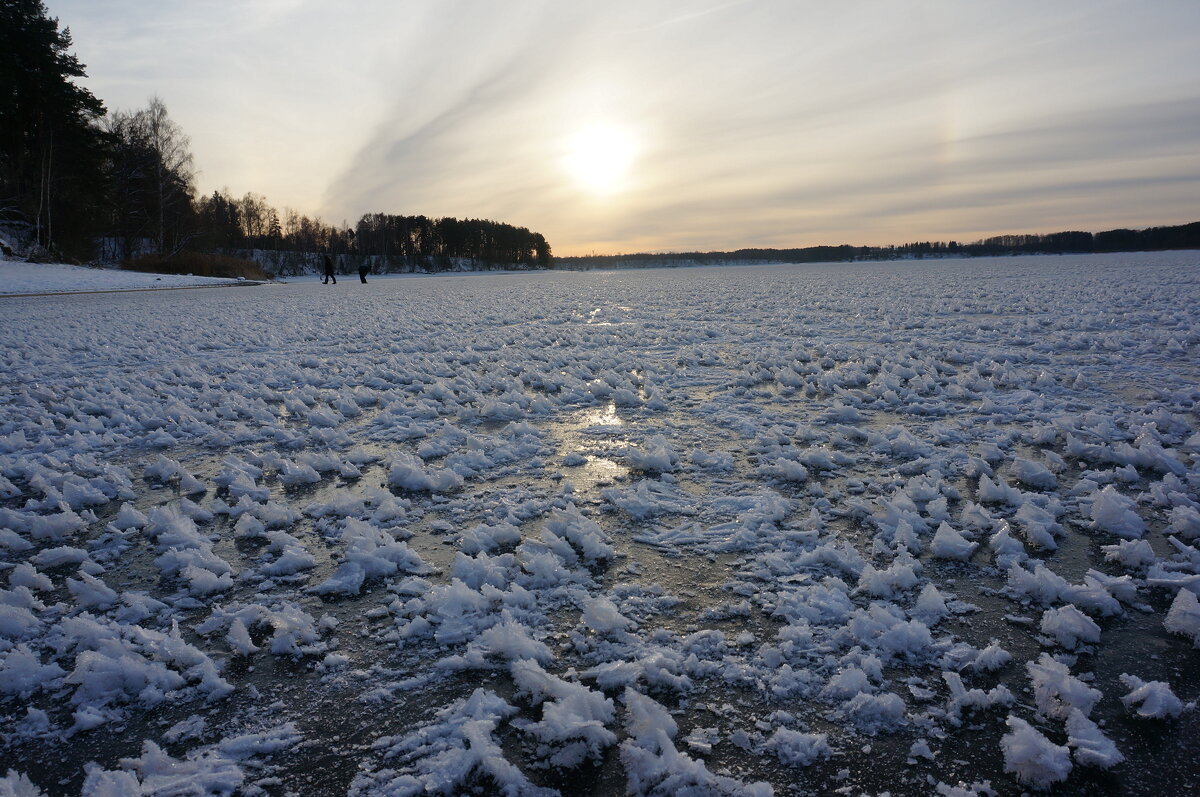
[(81, 183)]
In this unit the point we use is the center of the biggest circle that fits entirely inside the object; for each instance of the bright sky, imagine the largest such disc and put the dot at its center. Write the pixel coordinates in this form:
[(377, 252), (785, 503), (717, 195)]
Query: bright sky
[(662, 125)]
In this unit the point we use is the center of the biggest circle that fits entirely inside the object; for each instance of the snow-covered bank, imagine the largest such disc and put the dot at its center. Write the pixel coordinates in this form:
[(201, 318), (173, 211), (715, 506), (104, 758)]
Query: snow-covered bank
[(919, 528), (20, 278)]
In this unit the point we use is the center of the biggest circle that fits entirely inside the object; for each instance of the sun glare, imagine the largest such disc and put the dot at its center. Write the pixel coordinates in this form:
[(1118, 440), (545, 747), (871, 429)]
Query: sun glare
[(600, 158)]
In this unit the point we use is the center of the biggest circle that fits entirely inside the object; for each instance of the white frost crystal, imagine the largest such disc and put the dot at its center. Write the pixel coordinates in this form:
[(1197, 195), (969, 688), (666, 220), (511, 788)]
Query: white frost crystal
[(1115, 513), (1183, 618), (1091, 747), (1150, 699), (1034, 759), (949, 544), (1069, 626)]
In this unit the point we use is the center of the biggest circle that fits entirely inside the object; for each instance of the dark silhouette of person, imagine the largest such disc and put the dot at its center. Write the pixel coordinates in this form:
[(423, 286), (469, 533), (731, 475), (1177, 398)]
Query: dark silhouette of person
[(363, 270), (329, 275)]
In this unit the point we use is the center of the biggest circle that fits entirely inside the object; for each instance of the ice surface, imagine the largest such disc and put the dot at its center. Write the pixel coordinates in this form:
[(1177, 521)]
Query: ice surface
[(652, 532)]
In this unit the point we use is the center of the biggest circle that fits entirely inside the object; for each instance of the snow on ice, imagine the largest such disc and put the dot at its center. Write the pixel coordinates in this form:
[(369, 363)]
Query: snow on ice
[(26, 278), (908, 528)]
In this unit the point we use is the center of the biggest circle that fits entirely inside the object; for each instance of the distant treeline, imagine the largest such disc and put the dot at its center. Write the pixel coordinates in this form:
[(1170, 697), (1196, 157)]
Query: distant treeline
[(79, 182), (1183, 236), (391, 243)]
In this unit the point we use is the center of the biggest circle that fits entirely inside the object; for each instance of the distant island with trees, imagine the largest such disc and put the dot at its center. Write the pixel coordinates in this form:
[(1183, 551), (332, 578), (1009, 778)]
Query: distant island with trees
[(1182, 236), (80, 183)]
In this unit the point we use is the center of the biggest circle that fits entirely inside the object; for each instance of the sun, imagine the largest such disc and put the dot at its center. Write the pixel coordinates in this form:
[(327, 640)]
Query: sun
[(600, 158)]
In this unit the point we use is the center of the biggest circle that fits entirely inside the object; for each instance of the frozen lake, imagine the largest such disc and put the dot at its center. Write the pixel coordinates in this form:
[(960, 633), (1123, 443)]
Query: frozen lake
[(919, 527)]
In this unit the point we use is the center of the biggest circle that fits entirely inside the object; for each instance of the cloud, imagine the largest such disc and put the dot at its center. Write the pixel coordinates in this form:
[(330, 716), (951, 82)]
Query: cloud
[(764, 123)]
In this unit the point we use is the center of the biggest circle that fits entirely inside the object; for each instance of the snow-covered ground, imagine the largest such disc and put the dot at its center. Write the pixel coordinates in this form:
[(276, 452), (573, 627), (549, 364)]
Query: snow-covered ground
[(911, 528), (17, 277)]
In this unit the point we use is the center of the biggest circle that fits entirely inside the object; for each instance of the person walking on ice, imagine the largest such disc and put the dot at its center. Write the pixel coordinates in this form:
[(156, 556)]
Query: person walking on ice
[(329, 275), (363, 270)]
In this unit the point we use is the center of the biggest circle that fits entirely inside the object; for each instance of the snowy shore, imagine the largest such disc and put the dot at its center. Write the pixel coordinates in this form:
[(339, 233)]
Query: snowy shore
[(20, 278)]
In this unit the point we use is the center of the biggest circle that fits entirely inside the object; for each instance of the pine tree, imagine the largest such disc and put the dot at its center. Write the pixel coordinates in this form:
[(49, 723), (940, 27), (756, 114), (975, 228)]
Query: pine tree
[(52, 151)]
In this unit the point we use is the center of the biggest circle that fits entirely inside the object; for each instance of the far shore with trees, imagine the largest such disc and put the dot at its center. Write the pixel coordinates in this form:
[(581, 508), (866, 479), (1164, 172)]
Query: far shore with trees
[(81, 184), (1182, 236)]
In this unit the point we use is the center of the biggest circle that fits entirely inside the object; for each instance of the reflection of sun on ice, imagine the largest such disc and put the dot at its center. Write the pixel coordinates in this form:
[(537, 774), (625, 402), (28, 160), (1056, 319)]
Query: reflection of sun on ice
[(600, 157)]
